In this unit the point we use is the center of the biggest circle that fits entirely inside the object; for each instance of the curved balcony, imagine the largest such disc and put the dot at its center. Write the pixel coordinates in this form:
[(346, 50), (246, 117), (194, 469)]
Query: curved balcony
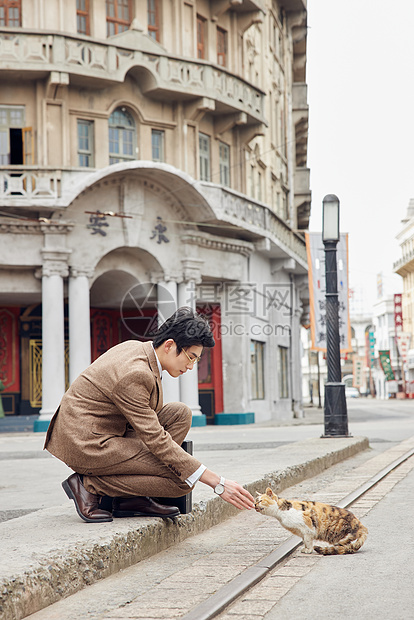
[(51, 188), (39, 55), (257, 219), (405, 265)]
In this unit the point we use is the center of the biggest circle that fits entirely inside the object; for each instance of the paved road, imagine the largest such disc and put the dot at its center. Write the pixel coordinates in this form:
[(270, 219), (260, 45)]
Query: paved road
[(377, 582), (29, 481), (172, 582), (30, 478)]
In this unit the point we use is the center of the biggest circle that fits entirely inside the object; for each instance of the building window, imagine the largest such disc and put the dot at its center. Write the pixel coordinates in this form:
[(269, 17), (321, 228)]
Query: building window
[(157, 143), (118, 16), (259, 186), (224, 157), (281, 51), (285, 206), (16, 140), (153, 19), (283, 373), (122, 140), (85, 144), (82, 16), (201, 37), (204, 150), (274, 36), (11, 13), (252, 181), (282, 146), (257, 369), (221, 47)]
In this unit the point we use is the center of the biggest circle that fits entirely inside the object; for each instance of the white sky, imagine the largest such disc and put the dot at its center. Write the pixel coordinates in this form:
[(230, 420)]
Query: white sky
[(361, 124)]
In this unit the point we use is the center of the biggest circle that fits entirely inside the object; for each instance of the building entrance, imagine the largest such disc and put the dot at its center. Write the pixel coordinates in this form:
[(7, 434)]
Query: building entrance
[(210, 373)]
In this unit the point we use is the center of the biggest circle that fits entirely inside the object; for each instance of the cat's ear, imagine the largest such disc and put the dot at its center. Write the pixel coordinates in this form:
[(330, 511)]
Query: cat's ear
[(269, 492)]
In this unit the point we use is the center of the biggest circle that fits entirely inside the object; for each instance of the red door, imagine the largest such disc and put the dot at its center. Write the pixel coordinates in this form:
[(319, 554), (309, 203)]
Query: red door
[(109, 328), (210, 373)]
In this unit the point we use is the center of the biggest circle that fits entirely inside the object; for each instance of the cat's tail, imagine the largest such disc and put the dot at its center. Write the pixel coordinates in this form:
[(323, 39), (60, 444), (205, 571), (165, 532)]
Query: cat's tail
[(349, 544)]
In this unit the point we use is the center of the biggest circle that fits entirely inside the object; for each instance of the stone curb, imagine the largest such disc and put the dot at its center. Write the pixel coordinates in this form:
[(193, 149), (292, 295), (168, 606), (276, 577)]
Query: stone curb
[(45, 578)]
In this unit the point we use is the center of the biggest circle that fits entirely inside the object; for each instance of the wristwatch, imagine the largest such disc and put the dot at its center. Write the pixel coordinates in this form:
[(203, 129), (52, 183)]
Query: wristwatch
[(219, 489)]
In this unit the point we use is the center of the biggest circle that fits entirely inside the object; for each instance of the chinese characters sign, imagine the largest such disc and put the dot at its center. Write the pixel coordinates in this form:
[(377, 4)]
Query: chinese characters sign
[(398, 317), (97, 222), (159, 230), (317, 289), (403, 343), (358, 371), (385, 361), (402, 338), (370, 347)]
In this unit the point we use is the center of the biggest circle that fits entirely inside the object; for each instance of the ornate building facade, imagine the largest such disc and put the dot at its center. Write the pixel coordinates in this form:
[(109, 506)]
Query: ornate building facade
[(405, 268), (154, 154)]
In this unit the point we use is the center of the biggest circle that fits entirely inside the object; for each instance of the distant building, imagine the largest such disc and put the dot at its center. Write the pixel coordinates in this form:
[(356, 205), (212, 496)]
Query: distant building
[(385, 341), (314, 365), (154, 154), (360, 326), (405, 268)]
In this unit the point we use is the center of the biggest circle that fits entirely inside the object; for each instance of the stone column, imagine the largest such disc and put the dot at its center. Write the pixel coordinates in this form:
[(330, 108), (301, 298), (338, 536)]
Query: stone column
[(54, 270), (79, 322), (167, 305), (189, 381)]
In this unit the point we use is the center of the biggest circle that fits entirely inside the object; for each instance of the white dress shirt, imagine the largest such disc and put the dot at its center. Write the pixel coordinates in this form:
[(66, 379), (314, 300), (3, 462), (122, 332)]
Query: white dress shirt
[(195, 477)]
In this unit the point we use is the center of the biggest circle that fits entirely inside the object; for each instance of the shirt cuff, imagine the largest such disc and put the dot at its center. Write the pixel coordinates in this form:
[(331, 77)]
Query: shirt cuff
[(195, 477)]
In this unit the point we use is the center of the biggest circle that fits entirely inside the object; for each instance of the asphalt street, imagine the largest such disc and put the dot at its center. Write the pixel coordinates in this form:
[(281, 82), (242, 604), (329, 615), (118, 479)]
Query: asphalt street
[(30, 477), (153, 588), (377, 582), (362, 586)]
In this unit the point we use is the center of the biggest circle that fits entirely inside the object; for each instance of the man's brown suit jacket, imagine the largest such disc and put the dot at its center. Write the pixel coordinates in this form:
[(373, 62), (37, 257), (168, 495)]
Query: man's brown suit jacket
[(122, 387)]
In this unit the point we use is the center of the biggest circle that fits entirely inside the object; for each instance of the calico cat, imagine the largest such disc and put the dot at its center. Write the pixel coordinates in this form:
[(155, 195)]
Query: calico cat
[(315, 521)]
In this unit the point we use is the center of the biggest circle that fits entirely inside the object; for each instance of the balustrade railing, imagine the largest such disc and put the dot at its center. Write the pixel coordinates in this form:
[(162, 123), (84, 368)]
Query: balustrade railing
[(248, 213), (26, 51), (29, 182)]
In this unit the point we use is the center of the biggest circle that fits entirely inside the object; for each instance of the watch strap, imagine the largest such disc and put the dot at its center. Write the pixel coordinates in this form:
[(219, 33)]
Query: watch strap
[(217, 490)]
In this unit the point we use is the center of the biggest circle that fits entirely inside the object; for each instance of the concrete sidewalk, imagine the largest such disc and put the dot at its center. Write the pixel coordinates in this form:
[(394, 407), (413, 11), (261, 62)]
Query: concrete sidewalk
[(49, 553)]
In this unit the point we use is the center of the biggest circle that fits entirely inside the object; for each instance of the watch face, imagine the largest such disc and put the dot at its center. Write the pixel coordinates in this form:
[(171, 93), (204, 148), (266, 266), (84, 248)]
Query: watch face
[(219, 489)]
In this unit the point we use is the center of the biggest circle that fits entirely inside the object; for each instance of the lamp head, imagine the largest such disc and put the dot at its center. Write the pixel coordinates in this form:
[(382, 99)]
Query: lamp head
[(330, 218)]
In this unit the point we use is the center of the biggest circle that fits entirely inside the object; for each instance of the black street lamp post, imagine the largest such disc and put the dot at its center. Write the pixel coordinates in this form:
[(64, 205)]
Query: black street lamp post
[(335, 411)]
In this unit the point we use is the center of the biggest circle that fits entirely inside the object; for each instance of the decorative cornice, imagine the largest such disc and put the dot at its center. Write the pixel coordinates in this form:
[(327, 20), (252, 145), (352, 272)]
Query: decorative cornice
[(159, 277), (192, 269), (35, 228), (78, 272), (55, 262), (56, 227), (214, 243), (21, 228), (55, 268)]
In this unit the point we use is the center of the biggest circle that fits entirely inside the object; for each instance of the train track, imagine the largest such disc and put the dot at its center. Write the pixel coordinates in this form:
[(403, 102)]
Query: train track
[(229, 593)]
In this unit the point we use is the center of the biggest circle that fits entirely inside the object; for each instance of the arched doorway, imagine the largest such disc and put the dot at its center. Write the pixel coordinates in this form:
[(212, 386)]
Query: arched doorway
[(122, 308)]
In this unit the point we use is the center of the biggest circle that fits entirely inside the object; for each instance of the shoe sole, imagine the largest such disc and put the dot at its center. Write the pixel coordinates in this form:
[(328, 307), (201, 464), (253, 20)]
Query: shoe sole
[(71, 495), (120, 514)]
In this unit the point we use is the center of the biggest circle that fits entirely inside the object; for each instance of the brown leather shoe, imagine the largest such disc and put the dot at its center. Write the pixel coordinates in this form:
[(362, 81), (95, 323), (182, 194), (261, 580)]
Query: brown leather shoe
[(86, 504), (142, 507)]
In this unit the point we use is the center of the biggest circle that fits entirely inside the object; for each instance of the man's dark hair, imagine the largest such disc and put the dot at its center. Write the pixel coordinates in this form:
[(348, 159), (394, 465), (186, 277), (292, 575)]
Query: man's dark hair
[(186, 328)]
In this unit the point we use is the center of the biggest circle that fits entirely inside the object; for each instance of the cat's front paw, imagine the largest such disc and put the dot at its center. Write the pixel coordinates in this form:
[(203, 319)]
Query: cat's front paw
[(306, 550)]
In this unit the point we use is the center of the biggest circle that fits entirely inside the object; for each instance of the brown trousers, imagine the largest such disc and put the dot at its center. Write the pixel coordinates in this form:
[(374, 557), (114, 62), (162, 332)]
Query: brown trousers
[(144, 474)]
